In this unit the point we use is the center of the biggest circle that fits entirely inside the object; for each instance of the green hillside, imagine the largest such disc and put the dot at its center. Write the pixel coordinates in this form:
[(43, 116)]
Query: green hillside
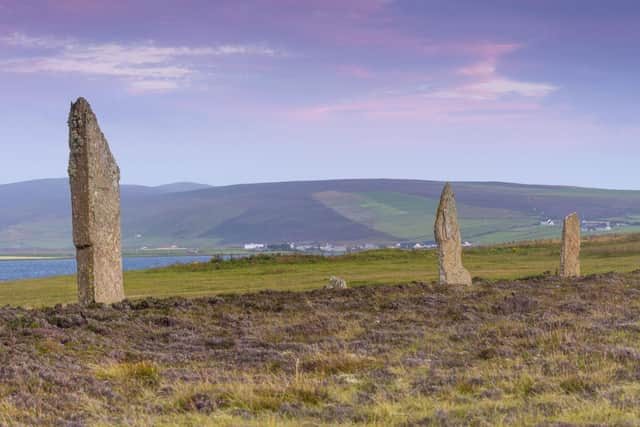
[(411, 217), (35, 215)]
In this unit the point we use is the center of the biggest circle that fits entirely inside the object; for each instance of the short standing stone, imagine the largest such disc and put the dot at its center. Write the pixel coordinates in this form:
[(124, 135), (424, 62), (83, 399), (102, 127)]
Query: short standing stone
[(94, 177), (336, 283), (447, 234), (570, 252)]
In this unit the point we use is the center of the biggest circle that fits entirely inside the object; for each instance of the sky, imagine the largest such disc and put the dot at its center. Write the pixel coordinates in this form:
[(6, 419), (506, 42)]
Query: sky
[(240, 91)]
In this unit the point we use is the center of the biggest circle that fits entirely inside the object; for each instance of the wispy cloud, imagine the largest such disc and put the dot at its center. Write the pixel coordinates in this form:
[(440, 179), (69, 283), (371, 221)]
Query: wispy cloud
[(27, 41), (468, 92), (355, 71), (419, 107), (484, 68), (495, 88), (483, 81), (144, 67), (151, 86)]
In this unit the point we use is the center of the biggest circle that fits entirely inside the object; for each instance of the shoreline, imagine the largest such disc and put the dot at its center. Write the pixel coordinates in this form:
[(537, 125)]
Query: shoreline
[(31, 257)]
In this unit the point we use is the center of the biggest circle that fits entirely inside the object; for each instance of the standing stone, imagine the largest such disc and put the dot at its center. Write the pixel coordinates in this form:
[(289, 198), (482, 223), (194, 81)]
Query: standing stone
[(94, 177), (570, 252), (447, 233)]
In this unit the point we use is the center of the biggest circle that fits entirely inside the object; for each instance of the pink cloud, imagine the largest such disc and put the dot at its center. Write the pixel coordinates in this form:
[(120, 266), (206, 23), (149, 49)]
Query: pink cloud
[(483, 50), (490, 54), (355, 71), (359, 23), (492, 50), (418, 106), (318, 23), (499, 86), (88, 7), (483, 68), (474, 90)]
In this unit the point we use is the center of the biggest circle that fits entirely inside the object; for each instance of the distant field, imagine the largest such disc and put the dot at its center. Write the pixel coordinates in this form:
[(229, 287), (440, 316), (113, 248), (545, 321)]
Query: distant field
[(411, 217), (401, 215), (299, 273)]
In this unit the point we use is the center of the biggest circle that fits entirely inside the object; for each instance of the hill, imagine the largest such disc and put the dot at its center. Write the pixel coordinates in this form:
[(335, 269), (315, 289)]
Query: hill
[(36, 214)]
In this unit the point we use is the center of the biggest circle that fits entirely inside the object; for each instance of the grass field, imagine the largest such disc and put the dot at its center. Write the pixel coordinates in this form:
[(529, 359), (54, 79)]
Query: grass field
[(539, 351), (299, 273), (411, 217)]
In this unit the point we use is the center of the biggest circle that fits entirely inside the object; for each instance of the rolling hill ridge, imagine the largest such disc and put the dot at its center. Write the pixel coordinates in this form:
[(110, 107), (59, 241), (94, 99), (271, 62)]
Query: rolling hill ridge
[(36, 214)]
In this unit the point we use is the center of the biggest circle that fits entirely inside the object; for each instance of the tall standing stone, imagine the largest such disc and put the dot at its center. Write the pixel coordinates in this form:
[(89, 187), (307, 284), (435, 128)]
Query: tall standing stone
[(447, 233), (570, 252), (94, 177)]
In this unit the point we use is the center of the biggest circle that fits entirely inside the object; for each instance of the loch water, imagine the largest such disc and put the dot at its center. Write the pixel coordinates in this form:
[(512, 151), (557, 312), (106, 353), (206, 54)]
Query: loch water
[(36, 268)]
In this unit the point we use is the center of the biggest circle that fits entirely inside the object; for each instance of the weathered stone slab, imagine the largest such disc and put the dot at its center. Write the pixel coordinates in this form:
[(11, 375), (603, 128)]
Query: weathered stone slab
[(570, 252), (94, 177), (447, 234), (336, 283)]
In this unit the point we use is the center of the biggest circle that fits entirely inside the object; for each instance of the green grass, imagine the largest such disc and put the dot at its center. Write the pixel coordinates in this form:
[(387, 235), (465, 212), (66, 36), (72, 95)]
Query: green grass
[(400, 215), (298, 273), (410, 217)]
